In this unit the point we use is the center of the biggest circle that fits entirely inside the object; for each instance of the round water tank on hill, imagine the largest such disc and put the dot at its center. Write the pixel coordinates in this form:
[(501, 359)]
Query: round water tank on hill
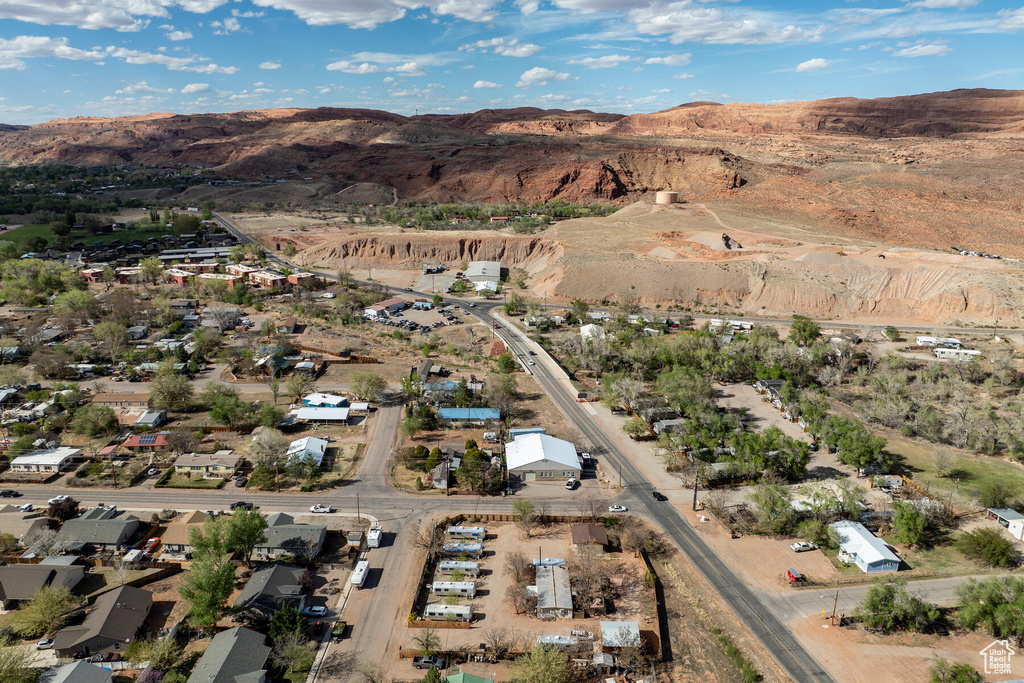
[(667, 197)]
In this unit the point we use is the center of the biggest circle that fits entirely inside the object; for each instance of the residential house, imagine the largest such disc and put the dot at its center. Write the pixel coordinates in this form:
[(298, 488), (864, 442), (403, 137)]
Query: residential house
[(287, 326), (241, 270), (468, 415), (151, 419), (271, 587), (324, 401), (18, 582), (869, 552), (957, 354), (237, 655), (222, 463), (554, 594), (79, 672), (183, 307), (301, 279), (100, 529), (175, 538), (177, 276), (285, 537), (322, 415), (147, 443), (540, 457), (588, 534), (110, 626), (137, 332), (309, 448), (49, 461)]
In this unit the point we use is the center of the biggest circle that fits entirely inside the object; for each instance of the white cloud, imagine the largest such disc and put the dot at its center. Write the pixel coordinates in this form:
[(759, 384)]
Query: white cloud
[(192, 63), (528, 7), (481, 85), (192, 88), (270, 66), (605, 62), (395, 58), (945, 4), (705, 95), (120, 15), (15, 50), (246, 15), (179, 35), (370, 13), (507, 47), (816, 64), (683, 21), (927, 50), (226, 27), (408, 69), (661, 91), (141, 87), (1011, 19), (352, 68), (671, 60), (538, 75), (683, 76)]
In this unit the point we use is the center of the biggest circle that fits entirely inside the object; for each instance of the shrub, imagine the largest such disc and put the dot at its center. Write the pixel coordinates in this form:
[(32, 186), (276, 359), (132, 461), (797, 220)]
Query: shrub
[(988, 546)]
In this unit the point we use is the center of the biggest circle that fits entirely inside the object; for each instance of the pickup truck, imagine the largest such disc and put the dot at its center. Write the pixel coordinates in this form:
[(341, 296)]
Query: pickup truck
[(427, 662)]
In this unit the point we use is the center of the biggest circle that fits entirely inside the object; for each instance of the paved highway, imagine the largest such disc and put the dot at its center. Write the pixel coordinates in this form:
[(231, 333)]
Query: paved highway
[(772, 633)]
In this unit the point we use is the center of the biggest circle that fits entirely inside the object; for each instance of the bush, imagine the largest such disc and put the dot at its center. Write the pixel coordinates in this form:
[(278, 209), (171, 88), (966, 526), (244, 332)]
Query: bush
[(988, 546), (889, 606)]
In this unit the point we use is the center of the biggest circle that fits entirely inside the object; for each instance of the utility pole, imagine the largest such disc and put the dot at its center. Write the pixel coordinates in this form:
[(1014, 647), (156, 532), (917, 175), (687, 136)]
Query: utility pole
[(834, 606), (696, 479), (359, 517)]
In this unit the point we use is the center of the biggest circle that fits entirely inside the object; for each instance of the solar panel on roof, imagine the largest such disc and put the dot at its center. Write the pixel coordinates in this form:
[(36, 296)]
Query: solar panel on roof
[(147, 440)]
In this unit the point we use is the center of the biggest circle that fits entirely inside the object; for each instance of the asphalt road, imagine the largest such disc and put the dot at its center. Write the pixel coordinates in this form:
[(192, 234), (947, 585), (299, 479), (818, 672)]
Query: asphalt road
[(772, 633)]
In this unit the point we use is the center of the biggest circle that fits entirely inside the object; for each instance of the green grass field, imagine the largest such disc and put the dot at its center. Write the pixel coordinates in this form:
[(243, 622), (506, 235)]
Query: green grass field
[(21, 235)]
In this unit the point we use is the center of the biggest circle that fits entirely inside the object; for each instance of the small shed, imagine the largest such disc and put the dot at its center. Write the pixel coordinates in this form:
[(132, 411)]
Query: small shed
[(355, 539), (151, 419), (1009, 518)]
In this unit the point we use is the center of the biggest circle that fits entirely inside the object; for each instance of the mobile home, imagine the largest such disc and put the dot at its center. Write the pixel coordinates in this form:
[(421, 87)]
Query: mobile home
[(440, 612), (358, 577), (475, 533), (471, 549), (471, 569), (466, 589)]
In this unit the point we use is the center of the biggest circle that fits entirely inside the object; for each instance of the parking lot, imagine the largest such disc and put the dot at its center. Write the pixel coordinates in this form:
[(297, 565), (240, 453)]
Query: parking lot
[(424, 320)]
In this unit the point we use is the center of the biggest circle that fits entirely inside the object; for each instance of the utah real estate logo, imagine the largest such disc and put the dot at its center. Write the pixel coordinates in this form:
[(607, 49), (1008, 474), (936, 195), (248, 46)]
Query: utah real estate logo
[(997, 657)]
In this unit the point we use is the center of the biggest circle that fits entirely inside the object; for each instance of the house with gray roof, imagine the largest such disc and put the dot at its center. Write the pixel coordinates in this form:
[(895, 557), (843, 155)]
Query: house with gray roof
[(99, 529), (20, 524), (109, 627), (237, 655), (78, 672), (18, 582), (271, 587), (285, 537)]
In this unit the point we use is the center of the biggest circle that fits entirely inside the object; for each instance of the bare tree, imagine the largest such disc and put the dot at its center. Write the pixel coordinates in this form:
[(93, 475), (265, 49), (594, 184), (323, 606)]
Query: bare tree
[(371, 672), (122, 570), (520, 600), (503, 639), (429, 538), (427, 641), (585, 572), (518, 567), (590, 507), (640, 537)]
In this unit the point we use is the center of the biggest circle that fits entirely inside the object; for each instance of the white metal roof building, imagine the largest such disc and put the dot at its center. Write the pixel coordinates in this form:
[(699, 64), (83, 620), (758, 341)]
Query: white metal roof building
[(870, 553), (533, 457), (439, 612), (483, 271), (1009, 518), (319, 400), (554, 595), (308, 446), (49, 460), (322, 414)]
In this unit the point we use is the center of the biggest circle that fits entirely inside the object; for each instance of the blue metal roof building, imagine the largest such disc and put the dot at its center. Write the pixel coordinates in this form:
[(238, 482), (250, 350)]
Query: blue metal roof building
[(476, 415)]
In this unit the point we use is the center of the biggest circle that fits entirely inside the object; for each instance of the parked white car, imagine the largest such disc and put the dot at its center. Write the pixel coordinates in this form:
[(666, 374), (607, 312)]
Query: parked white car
[(803, 546), (617, 508), (321, 508)]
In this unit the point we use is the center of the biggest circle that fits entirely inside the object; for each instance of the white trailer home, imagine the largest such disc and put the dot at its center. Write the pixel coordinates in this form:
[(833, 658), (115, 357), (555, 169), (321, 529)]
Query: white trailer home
[(473, 533), (471, 569), (464, 589), (358, 577), (439, 612), (956, 354), (470, 549)]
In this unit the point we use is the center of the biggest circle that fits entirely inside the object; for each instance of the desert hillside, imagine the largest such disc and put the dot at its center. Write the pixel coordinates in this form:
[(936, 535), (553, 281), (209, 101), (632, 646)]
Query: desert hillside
[(939, 169)]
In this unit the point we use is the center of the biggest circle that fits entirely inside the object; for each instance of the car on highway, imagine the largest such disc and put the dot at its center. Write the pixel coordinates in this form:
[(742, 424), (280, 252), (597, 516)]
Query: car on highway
[(532, 363), (150, 544), (320, 507), (56, 499), (9, 493), (617, 508), (802, 546), (472, 305), (497, 326), (659, 496), (240, 504), (315, 610)]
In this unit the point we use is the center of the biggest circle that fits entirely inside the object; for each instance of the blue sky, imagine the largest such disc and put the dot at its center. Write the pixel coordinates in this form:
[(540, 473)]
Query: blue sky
[(63, 58)]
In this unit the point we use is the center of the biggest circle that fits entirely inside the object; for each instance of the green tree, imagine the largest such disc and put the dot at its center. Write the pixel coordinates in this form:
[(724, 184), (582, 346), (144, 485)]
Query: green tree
[(151, 271), (206, 587), (211, 541), (232, 411), (94, 420), (269, 416), (114, 334), (997, 494), (17, 664), (289, 250), (888, 605), (506, 363), (988, 546), (772, 508), (541, 665), (294, 653), (635, 426), (433, 459), (246, 531), (908, 524), (43, 612), (993, 604), (286, 621), (803, 330), (299, 385), (368, 385), (942, 671), (171, 391), (433, 676), (515, 305), (891, 333), (526, 515)]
